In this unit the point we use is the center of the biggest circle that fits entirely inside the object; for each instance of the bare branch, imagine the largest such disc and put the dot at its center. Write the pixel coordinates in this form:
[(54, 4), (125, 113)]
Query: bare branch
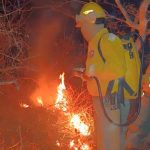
[(143, 9), (79, 1), (148, 32), (9, 57), (8, 82), (17, 68), (127, 17), (14, 146), (143, 21), (118, 19)]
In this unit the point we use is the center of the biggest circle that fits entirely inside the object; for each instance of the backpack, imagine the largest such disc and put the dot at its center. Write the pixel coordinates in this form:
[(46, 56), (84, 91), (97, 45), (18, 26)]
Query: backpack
[(126, 85)]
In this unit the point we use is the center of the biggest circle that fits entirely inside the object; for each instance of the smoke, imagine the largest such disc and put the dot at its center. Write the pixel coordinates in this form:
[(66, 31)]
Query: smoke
[(46, 33), (56, 43), (53, 50)]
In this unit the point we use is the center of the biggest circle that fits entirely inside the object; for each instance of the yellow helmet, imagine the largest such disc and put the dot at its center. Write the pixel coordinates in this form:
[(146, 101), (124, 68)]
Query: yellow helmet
[(91, 12), (93, 7)]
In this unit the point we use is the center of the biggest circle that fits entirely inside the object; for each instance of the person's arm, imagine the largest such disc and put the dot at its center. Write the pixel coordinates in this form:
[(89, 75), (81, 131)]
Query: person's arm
[(80, 72)]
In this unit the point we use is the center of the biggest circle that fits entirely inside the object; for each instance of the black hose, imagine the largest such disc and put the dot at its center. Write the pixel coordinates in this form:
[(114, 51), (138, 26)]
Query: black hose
[(129, 122)]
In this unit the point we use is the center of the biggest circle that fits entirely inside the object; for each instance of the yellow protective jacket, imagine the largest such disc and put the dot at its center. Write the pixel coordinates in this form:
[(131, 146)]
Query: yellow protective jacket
[(114, 63)]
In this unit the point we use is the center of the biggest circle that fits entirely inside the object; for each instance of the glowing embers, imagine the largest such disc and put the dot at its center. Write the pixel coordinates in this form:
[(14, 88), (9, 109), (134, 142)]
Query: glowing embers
[(73, 124), (78, 145), (24, 105), (58, 143), (72, 144), (40, 101), (142, 94), (79, 125), (76, 124), (85, 147)]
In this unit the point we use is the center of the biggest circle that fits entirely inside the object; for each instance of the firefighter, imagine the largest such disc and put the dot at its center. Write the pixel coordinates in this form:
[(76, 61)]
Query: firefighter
[(108, 59)]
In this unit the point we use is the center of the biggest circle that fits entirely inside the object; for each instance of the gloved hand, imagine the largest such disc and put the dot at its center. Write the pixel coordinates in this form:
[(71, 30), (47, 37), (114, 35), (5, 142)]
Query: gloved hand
[(79, 72), (79, 69)]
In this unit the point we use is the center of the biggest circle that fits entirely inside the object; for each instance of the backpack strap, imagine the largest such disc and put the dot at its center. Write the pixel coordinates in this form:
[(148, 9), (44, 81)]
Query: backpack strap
[(100, 51), (99, 47), (109, 89), (117, 98), (111, 98)]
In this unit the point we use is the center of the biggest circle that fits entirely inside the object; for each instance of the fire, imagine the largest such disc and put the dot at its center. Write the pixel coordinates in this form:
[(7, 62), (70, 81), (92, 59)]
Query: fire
[(24, 105), (80, 125), (74, 120), (61, 102), (143, 94), (58, 143), (78, 144), (85, 147), (72, 143), (40, 101)]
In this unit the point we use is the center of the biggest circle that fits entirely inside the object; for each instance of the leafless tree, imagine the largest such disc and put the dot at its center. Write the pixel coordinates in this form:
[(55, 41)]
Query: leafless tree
[(141, 20), (13, 39)]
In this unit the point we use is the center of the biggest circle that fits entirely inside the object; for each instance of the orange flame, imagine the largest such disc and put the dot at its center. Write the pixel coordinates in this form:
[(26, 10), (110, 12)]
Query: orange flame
[(24, 105), (85, 147), (142, 94), (71, 144), (61, 102), (75, 121), (40, 101), (80, 125), (58, 143)]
